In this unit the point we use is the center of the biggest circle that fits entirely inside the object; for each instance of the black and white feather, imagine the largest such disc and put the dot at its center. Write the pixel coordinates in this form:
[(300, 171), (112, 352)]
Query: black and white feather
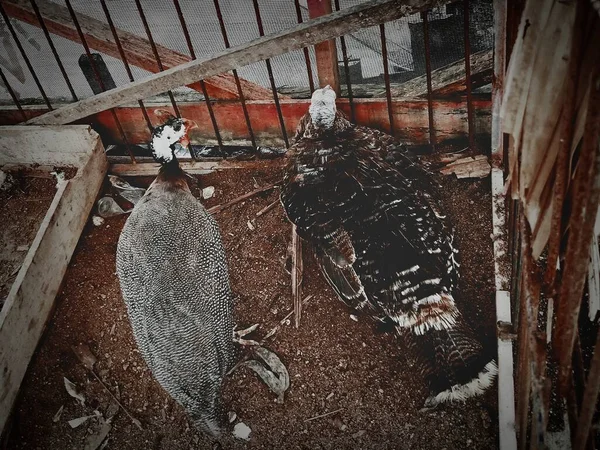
[(382, 243), (173, 274)]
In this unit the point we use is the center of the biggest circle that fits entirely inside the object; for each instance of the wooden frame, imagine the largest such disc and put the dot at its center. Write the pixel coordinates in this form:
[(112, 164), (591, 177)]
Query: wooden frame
[(31, 298)]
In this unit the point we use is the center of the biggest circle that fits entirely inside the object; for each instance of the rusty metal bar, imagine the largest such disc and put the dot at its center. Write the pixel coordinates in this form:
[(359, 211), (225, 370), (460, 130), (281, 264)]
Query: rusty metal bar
[(261, 32), (424, 17), (12, 94), (124, 59), (346, 70), (188, 40), (586, 195), (98, 77), (53, 48), (386, 77), (566, 129), (156, 55), (24, 55), (311, 82), (470, 111), (235, 75)]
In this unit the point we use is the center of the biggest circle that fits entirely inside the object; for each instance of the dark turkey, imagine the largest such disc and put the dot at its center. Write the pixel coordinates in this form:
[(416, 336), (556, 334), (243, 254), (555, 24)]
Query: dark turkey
[(173, 273), (382, 244)]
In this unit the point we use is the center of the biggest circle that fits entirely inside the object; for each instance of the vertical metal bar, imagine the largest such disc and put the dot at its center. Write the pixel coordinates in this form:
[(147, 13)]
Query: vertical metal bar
[(235, 75), (53, 48), (468, 75), (188, 40), (386, 77), (98, 77), (124, 59), (261, 32), (311, 82), (155, 51), (346, 70), (12, 94), (424, 16), (24, 55)]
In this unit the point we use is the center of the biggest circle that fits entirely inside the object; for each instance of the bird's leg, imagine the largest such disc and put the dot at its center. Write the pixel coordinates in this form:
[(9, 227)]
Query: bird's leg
[(238, 336)]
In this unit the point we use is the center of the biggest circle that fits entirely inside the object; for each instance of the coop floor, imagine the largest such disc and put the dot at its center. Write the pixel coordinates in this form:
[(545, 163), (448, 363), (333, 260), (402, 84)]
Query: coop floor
[(335, 363)]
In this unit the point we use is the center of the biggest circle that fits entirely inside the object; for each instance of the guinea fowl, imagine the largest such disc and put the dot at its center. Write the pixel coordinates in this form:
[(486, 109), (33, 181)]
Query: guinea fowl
[(382, 244), (174, 279)]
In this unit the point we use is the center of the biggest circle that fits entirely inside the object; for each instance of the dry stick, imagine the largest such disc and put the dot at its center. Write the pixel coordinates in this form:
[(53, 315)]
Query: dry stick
[(296, 275), (216, 209), (320, 416), (133, 419), (282, 321), (267, 208)]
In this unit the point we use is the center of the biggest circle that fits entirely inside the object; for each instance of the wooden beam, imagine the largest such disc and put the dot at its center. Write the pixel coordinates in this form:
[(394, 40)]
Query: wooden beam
[(450, 79), (326, 51), (312, 32), (411, 119), (137, 50), (193, 167)]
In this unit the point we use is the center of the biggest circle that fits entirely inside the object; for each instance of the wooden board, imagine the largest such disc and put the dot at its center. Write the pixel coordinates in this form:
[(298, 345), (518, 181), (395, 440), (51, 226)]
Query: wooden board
[(410, 119), (326, 51), (312, 32), (31, 298), (137, 50)]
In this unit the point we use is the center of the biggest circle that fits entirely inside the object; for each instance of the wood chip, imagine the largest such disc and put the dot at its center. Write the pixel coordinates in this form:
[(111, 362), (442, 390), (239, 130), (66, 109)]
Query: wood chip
[(477, 167)]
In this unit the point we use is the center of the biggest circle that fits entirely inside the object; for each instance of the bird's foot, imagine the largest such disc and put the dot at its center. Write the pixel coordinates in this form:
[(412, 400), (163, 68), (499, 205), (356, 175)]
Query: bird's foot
[(238, 336), (430, 404), (271, 370)]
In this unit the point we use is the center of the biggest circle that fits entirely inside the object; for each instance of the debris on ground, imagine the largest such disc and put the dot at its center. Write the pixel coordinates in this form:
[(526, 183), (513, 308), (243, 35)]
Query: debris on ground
[(130, 193), (242, 431), (208, 192), (108, 207), (97, 220), (469, 167)]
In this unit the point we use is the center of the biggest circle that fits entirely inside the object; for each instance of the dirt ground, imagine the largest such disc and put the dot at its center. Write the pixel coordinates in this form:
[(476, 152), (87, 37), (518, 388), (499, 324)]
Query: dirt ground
[(24, 201), (361, 374)]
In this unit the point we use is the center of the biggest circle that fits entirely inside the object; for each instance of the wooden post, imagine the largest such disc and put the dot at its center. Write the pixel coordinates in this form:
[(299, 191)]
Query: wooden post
[(326, 52)]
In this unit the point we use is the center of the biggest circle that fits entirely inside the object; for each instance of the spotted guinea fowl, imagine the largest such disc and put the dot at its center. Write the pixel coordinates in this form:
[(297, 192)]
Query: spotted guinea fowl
[(382, 244), (174, 279)]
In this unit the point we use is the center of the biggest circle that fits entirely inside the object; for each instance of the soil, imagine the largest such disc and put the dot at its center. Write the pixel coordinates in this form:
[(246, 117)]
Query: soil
[(24, 201), (363, 377)]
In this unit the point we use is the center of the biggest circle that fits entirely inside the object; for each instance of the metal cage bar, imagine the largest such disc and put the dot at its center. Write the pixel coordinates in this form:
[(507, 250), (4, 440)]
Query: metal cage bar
[(155, 51), (235, 75), (97, 74), (311, 82), (386, 77), (346, 69), (425, 18), (467, 41), (53, 48), (124, 60), (188, 40), (25, 57), (12, 94), (261, 32)]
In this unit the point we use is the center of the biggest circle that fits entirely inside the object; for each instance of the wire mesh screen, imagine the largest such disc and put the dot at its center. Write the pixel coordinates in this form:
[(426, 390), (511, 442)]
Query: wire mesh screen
[(405, 45)]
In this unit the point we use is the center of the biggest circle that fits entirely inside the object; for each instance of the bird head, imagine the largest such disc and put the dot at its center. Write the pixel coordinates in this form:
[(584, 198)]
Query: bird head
[(164, 137), (322, 107)]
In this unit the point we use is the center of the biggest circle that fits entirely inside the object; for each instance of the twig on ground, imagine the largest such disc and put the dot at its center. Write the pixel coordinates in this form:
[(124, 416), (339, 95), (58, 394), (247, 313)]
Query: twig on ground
[(282, 321), (320, 416), (218, 208), (267, 208)]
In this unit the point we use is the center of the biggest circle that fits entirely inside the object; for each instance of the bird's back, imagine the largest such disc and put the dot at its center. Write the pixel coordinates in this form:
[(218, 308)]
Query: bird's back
[(173, 273)]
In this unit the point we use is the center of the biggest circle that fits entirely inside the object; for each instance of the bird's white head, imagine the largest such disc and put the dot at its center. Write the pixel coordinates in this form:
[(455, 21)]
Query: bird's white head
[(164, 137), (322, 107)]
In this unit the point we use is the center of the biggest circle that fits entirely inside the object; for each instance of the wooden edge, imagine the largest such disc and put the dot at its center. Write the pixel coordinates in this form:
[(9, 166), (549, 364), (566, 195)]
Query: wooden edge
[(499, 231), (31, 299), (193, 167)]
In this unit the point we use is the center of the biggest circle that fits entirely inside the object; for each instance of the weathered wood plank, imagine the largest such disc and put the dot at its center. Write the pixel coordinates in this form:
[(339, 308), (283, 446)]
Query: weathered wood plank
[(137, 50), (449, 79), (326, 51), (30, 300), (312, 32)]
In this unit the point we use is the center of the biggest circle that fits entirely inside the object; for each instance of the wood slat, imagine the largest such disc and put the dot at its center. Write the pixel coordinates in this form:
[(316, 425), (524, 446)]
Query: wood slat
[(137, 50), (326, 51), (312, 32)]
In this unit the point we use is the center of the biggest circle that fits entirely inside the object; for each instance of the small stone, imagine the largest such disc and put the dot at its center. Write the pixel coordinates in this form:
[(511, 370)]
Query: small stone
[(329, 397), (23, 248), (232, 416), (242, 431), (208, 192), (358, 434), (353, 317), (97, 221)]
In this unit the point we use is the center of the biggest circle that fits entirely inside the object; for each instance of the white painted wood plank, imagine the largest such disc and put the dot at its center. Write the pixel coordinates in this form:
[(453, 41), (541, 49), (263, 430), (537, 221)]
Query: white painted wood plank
[(31, 298), (506, 382)]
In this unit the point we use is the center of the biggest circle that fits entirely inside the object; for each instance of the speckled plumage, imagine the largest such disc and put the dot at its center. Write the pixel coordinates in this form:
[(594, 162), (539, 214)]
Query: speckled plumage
[(173, 273), (384, 247)]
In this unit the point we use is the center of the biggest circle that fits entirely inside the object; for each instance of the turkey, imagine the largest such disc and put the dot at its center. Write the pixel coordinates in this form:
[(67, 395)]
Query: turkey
[(382, 243), (174, 279)]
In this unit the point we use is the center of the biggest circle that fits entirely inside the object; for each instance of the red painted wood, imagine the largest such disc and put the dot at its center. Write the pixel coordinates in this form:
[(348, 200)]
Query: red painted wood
[(325, 52)]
